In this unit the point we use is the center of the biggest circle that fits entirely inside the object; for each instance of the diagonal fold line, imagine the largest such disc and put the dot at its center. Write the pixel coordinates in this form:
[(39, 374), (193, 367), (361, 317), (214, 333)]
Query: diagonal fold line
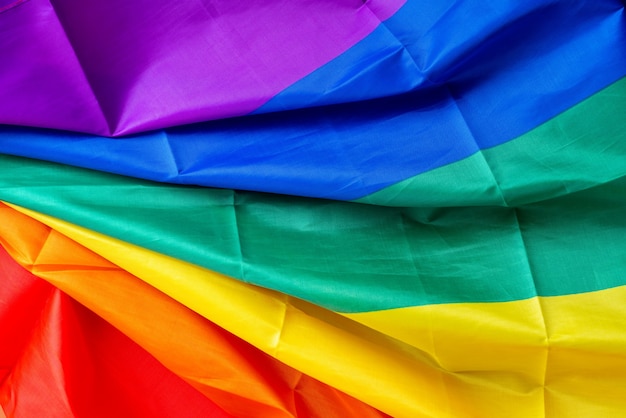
[(110, 125), (479, 151), (174, 171), (537, 298), (242, 264)]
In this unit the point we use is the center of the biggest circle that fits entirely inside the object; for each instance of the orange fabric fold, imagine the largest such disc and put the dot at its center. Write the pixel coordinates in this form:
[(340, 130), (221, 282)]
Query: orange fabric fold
[(63, 361), (235, 375)]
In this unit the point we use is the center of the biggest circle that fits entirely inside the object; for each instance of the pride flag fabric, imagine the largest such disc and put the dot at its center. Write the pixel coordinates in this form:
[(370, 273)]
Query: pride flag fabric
[(312, 209)]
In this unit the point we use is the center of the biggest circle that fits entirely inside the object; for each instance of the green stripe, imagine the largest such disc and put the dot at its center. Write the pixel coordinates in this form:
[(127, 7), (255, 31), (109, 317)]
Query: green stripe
[(582, 147), (476, 235), (347, 256)]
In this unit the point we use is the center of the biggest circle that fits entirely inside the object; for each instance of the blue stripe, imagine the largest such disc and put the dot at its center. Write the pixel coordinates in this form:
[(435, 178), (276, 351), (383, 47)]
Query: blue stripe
[(451, 77)]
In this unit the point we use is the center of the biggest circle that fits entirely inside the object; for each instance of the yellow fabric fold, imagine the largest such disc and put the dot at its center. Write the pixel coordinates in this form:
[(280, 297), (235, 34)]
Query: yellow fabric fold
[(381, 371), (573, 345), (470, 337), (555, 355)]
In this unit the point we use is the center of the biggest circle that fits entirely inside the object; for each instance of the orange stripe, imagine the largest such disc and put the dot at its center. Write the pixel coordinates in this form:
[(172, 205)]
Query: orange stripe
[(238, 377)]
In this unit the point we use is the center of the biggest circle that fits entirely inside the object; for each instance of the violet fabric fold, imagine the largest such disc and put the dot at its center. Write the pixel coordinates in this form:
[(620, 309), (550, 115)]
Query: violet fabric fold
[(113, 67)]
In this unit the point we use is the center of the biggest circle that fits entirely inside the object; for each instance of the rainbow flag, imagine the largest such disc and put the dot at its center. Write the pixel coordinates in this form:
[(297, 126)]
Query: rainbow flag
[(299, 209)]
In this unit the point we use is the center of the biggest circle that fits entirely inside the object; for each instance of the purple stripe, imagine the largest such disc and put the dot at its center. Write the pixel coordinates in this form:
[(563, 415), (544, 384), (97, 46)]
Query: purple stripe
[(157, 63), (41, 81)]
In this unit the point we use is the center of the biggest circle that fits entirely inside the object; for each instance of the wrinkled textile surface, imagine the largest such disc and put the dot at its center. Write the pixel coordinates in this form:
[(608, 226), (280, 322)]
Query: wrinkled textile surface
[(316, 209)]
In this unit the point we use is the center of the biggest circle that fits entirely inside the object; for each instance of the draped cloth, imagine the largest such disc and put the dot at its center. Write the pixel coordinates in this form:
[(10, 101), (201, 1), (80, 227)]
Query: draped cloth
[(346, 208)]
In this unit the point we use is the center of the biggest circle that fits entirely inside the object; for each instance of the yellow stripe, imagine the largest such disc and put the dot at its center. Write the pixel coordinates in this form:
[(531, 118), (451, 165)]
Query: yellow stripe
[(574, 345), (470, 337), (565, 355)]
